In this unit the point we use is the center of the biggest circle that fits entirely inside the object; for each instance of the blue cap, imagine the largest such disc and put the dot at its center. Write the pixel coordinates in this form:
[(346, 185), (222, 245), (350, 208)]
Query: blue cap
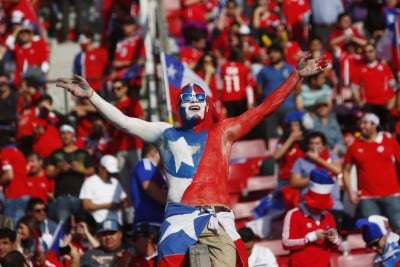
[(370, 231), (294, 115), (109, 225)]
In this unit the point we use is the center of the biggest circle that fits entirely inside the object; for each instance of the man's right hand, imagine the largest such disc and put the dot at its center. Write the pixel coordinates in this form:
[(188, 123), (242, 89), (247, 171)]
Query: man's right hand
[(77, 86), (354, 198)]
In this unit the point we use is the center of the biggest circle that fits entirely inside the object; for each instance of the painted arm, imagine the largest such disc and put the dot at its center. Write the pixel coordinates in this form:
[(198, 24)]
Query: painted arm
[(239, 126), (147, 131)]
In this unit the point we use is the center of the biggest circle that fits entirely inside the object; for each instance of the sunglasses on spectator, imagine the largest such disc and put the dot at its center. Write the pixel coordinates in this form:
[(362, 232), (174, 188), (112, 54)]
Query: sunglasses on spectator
[(322, 105), (185, 98), (39, 210), (117, 87)]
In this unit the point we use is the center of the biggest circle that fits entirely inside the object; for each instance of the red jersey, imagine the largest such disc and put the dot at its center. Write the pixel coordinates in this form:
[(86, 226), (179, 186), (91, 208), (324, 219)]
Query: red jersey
[(294, 11), (129, 49), (121, 141), (34, 54), (189, 55), (286, 162), (195, 11), (94, 63), (292, 52), (375, 163), (269, 22), (339, 32), (16, 160), (375, 82), (348, 65), (297, 224), (38, 186), (25, 122), (235, 76), (47, 142)]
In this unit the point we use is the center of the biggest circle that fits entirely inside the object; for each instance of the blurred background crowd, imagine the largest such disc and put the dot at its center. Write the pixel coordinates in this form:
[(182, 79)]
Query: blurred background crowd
[(70, 167)]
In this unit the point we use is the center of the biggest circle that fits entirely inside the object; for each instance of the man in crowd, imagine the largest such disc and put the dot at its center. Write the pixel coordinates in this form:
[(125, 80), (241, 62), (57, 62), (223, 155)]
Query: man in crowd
[(375, 155), (309, 231), (196, 157), (102, 194), (7, 242)]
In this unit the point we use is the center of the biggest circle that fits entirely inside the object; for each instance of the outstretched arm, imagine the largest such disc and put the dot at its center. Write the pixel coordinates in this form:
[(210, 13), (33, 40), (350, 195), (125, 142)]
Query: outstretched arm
[(147, 131), (243, 124)]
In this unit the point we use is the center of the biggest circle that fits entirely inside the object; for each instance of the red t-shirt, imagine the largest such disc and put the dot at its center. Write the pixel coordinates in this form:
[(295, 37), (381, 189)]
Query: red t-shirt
[(269, 22), (30, 55), (121, 141), (339, 32), (375, 163), (287, 161), (129, 49), (235, 76), (16, 160), (94, 65), (47, 142), (292, 52), (38, 186), (375, 81), (194, 12), (348, 64), (190, 55), (294, 11)]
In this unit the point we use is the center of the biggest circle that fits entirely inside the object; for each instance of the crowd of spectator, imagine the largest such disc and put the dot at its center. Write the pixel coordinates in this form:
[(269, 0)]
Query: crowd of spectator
[(107, 187)]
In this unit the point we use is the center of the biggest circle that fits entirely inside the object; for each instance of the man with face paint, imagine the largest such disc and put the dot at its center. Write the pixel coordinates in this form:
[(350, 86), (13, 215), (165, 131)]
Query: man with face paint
[(196, 160)]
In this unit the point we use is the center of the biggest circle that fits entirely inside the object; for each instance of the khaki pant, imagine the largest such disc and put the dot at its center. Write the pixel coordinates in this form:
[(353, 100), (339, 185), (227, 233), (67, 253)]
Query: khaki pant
[(220, 246)]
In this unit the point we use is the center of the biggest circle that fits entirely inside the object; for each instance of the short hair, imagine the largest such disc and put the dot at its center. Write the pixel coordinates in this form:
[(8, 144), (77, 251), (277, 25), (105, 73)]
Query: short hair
[(145, 230), (316, 134), (119, 80), (341, 15), (147, 148), (8, 233), (14, 259), (246, 234), (33, 202), (277, 48)]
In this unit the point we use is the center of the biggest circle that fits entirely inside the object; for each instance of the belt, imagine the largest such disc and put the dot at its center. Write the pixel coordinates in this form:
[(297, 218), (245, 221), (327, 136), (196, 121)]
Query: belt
[(214, 208)]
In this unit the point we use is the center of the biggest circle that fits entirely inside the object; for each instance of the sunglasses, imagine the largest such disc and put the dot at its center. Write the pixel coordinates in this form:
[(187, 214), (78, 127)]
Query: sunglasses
[(185, 98), (39, 210), (117, 88)]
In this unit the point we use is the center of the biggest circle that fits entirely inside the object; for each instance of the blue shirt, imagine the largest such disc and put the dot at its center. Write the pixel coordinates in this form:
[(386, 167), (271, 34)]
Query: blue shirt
[(146, 209), (271, 78), (332, 132), (303, 167), (390, 256), (326, 11)]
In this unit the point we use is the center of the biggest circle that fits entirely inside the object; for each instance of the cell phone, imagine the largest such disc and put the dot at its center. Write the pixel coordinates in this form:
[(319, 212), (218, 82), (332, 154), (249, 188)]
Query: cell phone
[(65, 250)]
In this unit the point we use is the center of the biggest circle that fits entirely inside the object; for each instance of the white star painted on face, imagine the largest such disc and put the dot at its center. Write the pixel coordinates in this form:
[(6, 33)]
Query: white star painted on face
[(183, 222), (182, 152), (171, 71)]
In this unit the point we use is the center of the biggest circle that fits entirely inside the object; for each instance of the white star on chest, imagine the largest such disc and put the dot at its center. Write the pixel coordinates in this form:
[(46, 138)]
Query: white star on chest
[(183, 222), (183, 153), (171, 71)]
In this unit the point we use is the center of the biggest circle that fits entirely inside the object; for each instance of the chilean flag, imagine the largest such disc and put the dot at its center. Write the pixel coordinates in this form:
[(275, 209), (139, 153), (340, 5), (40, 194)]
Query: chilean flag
[(388, 46), (178, 75)]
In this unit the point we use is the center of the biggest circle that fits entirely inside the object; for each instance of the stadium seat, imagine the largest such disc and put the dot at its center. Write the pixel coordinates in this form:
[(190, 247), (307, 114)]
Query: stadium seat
[(243, 210), (245, 149), (358, 260), (355, 242), (261, 183)]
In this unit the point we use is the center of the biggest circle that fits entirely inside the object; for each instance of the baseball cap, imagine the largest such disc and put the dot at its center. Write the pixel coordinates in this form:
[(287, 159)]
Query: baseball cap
[(110, 163), (244, 29), (109, 225), (67, 128)]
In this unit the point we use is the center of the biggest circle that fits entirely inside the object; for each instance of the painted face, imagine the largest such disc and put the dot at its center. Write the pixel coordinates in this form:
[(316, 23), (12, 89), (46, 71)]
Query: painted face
[(192, 104)]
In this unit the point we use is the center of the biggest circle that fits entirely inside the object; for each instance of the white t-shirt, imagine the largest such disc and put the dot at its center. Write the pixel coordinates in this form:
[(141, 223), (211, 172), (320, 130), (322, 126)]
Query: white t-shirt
[(262, 257), (100, 192)]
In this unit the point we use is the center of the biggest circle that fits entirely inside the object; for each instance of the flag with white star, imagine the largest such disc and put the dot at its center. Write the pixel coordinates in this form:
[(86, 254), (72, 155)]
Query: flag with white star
[(181, 229), (179, 75)]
